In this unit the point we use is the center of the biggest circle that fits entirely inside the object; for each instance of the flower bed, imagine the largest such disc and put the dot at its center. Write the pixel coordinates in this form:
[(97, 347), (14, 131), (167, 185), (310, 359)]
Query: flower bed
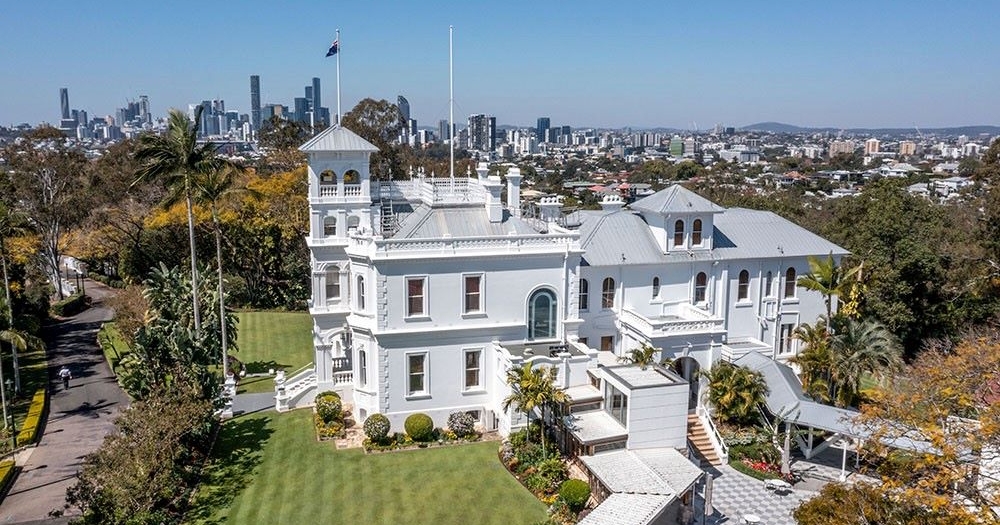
[(423, 433), (543, 472)]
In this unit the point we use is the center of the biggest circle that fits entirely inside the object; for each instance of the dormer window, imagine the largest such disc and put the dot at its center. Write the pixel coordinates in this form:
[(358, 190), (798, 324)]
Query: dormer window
[(696, 232), (679, 233)]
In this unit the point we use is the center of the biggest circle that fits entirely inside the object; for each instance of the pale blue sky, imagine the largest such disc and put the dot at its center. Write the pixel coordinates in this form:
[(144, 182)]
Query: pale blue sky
[(582, 63)]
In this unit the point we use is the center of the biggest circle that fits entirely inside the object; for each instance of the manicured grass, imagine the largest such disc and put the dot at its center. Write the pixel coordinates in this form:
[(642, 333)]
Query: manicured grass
[(269, 469), (279, 340)]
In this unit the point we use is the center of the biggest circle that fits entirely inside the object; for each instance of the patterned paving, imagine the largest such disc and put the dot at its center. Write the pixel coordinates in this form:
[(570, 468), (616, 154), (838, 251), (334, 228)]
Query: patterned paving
[(735, 495)]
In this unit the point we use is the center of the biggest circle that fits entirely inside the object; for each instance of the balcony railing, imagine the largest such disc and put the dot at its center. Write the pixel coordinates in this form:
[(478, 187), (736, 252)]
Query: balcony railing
[(683, 319), (531, 243)]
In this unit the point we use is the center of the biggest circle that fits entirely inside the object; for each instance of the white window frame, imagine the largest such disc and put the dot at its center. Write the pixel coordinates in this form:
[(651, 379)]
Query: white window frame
[(694, 295), (363, 367), (584, 295), (465, 294), (786, 339), (424, 302), (327, 284), (743, 287), (360, 280), (793, 283), (425, 390), (465, 370)]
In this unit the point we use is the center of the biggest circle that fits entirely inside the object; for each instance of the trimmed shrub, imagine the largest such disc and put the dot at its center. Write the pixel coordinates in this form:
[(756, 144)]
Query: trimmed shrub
[(461, 423), (71, 305), (36, 415), (553, 470), (329, 407), (575, 493), (377, 428), (419, 426)]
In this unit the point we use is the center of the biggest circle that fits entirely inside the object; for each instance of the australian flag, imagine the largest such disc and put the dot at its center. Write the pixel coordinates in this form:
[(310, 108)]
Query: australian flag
[(334, 47)]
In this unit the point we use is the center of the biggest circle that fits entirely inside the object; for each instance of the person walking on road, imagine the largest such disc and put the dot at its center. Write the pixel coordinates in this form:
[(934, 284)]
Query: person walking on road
[(65, 374)]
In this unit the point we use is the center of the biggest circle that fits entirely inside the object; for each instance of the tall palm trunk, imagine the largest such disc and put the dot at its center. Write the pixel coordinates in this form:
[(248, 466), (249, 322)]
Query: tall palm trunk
[(194, 269), (10, 318), (222, 297)]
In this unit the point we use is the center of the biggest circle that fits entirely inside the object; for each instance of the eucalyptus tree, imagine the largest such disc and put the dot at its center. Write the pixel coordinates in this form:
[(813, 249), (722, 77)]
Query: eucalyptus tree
[(178, 159)]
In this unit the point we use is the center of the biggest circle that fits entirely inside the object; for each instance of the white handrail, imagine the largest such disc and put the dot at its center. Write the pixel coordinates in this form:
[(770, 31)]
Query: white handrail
[(718, 443)]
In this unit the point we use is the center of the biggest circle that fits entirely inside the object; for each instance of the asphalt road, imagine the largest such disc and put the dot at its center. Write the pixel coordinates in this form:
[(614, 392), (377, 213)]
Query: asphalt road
[(79, 418)]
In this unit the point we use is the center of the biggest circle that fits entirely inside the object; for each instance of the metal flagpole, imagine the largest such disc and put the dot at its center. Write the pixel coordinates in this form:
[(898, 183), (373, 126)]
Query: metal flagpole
[(451, 103), (338, 77)]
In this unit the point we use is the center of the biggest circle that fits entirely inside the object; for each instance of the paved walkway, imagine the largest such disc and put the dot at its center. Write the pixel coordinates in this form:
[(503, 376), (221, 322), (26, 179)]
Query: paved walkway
[(79, 418)]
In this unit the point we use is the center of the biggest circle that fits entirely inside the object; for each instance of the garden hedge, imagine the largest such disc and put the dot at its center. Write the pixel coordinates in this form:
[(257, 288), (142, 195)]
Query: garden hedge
[(71, 305), (419, 426)]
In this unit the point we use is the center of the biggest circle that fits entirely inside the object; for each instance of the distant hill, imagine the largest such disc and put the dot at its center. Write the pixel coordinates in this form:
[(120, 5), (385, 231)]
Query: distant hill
[(778, 127)]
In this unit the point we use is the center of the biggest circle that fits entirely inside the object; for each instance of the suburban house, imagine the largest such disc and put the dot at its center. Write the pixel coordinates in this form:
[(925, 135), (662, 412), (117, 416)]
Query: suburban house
[(426, 291)]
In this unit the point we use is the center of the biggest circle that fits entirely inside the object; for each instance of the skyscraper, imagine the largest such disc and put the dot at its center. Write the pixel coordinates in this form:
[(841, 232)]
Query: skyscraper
[(64, 103), (255, 101), (482, 132), (542, 128), (443, 132), (404, 108), (317, 99), (144, 113)]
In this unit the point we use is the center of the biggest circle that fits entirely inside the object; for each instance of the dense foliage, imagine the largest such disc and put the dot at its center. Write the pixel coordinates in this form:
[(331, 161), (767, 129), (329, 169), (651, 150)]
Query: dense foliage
[(462, 424), (575, 493), (377, 427)]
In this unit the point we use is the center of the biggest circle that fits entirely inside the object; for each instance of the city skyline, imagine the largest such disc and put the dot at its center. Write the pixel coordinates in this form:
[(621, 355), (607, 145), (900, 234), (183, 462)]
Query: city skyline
[(653, 65)]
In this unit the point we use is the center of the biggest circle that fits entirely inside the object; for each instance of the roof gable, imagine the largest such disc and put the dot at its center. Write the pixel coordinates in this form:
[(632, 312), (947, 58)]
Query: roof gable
[(676, 199), (337, 138)]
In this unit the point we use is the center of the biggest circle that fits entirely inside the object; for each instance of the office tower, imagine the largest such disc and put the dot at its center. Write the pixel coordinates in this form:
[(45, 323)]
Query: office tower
[(404, 108), (309, 97), (144, 114), (255, 101), (542, 128), (482, 132), (443, 132), (301, 113), (64, 103), (317, 98), (218, 106)]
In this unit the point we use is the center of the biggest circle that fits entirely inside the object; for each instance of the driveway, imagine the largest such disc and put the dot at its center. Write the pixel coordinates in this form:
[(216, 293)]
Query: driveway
[(79, 418)]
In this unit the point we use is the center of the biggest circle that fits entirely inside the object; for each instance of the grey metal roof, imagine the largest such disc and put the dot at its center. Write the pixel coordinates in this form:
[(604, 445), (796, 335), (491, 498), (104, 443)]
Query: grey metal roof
[(458, 221), (623, 471), (670, 465), (786, 400), (616, 238), (337, 138), (676, 199), (749, 234), (738, 234), (627, 509)]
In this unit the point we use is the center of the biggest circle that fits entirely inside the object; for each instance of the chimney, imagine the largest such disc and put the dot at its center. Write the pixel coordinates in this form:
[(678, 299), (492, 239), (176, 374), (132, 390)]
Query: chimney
[(494, 208), (549, 208), (612, 203), (514, 191)]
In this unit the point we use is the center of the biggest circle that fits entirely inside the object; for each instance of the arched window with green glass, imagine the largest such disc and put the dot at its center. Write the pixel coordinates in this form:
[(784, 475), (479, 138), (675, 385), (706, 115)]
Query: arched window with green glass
[(542, 315)]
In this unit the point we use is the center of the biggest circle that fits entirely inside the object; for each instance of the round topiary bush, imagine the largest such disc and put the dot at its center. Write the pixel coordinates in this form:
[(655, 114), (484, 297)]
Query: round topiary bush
[(461, 423), (329, 407), (377, 428), (575, 493), (419, 426)]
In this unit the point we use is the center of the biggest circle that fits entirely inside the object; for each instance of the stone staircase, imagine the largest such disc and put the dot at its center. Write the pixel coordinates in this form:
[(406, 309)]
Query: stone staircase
[(698, 438)]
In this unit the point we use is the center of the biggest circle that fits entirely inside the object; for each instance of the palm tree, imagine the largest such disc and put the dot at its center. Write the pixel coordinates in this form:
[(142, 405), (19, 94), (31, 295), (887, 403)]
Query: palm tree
[(178, 159), (735, 391), (11, 223), (212, 188), (815, 360), (522, 382), (862, 348), (829, 279), (548, 394), (642, 356)]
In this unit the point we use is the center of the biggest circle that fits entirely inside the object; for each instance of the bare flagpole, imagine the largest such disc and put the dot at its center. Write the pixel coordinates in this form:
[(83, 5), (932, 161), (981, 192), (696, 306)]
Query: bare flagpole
[(451, 105), (338, 77)]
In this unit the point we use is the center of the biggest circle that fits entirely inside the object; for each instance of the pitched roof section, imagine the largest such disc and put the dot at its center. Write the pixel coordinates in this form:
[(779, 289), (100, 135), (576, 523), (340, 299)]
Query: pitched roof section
[(676, 199), (619, 237), (337, 138), (749, 234)]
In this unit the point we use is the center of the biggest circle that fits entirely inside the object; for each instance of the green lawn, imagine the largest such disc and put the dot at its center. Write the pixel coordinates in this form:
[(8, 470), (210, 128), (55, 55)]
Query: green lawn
[(112, 344), (275, 340), (269, 469)]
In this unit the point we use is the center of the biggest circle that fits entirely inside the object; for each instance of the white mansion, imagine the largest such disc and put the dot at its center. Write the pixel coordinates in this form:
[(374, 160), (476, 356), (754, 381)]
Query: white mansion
[(426, 291)]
